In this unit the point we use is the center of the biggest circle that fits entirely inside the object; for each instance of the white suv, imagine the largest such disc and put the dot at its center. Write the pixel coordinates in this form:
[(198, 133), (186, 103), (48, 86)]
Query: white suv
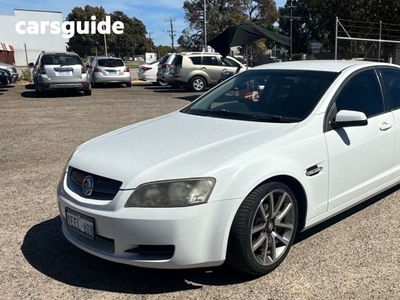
[(196, 71)]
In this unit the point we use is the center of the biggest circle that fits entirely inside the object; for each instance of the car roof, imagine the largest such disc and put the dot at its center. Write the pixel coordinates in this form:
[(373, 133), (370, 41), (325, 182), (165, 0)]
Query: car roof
[(322, 65)]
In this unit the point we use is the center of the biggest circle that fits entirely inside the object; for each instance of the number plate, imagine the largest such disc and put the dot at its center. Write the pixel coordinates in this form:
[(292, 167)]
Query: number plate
[(80, 222), (64, 73)]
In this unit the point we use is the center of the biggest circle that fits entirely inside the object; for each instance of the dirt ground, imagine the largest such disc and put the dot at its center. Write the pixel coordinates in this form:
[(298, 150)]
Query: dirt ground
[(354, 256)]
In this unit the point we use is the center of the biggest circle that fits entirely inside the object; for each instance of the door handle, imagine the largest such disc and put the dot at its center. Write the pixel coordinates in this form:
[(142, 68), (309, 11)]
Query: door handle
[(385, 126)]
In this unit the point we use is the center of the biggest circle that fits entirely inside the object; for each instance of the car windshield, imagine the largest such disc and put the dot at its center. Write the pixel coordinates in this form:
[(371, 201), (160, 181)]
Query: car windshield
[(265, 96), (110, 63)]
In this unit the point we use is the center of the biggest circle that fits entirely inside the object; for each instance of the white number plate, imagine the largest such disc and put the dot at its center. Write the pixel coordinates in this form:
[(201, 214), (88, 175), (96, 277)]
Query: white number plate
[(80, 222), (64, 73)]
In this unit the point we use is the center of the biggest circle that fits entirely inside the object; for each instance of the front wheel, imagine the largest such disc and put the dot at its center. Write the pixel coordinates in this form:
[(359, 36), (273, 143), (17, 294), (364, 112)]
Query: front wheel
[(197, 84), (263, 229)]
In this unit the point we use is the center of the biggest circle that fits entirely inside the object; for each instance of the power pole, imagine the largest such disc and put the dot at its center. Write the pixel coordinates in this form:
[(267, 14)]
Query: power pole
[(205, 26), (171, 31), (151, 40), (291, 29)]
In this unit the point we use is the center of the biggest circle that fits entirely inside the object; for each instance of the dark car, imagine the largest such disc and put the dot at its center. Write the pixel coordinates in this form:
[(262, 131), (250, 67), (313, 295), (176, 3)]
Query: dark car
[(5, 78)]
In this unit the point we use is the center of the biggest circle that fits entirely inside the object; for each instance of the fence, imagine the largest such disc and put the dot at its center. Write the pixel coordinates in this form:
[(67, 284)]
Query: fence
[(360, 40)]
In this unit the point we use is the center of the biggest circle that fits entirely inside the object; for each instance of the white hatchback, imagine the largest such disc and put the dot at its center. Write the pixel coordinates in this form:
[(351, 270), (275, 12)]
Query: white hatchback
[(237, 173)]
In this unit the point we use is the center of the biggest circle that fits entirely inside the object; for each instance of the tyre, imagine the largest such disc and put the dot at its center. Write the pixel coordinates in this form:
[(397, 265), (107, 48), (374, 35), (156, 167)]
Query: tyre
[(129, 84), (87, 92), (263, 229), (197, 84)]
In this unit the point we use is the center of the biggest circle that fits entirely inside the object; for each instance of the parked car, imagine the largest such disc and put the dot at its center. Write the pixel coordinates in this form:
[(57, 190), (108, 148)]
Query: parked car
[(164, 68), (10, 68), (237, 173), (104, 70), (148, 72), (60, 71), (196, 71), (6, 77)]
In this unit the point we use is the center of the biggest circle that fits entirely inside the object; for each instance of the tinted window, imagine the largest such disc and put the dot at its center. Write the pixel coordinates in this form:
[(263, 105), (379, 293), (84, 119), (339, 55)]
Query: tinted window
[(361, 93), (164, 58), (210, 60), (110, 63), (196, 60), (177, 60), (229, 62), (265, 96), (59, 59), (392, 81)]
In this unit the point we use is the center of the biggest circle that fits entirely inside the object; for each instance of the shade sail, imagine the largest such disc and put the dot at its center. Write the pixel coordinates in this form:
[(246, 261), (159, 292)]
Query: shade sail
[(242, 35)]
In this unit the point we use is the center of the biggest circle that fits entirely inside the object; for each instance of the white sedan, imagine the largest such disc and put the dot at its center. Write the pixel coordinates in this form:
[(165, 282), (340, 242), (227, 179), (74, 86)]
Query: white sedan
[(148, 72), (233, 176)]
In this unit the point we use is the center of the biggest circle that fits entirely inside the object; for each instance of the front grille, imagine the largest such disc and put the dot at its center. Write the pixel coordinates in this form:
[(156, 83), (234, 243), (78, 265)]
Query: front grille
[(103, 188)]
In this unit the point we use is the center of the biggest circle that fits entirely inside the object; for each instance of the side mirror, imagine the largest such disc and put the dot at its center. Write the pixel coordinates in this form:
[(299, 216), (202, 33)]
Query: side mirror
[(349, 118), (30, 65)]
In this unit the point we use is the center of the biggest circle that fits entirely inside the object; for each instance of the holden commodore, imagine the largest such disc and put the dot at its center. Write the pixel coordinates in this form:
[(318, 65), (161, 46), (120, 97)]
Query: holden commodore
[(233, 176)]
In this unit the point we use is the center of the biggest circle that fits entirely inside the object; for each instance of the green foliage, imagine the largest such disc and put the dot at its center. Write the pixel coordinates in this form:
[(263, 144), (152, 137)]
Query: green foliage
[(26, 75), (132, 42), (221, 14)]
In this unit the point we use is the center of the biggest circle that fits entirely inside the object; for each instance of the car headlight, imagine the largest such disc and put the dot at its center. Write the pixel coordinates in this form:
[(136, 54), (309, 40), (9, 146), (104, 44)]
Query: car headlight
[(172, 193)]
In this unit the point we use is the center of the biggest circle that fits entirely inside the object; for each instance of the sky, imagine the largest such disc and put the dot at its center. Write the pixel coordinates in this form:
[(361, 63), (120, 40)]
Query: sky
[(153, 13)]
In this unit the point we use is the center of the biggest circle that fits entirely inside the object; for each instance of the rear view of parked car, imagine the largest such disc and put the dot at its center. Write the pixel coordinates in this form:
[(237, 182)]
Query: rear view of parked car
[(5, 77), (148, 72), (105, 70), (164, 68), (10, 68), (196, 71), (60, 71)]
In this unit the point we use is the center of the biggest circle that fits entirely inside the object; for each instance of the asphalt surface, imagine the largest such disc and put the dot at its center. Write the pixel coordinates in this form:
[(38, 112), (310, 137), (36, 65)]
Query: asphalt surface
[(354, 256)]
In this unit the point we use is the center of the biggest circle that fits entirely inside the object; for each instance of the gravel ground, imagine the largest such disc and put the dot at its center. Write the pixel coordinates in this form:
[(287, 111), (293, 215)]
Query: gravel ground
[(354, 256)]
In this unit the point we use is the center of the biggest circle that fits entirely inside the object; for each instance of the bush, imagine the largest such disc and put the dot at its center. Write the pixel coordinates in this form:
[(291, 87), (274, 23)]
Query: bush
[(26, 75)]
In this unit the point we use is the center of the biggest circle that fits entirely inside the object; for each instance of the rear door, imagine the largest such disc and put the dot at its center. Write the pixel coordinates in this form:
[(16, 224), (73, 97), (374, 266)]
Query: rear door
[(391, 80), (213, 67)]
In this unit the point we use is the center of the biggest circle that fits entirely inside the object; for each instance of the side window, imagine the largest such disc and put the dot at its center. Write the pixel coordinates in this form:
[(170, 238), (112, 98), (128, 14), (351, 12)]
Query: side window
[(196, 60), (210, 60), (392, 81), (361, 93), (229, 62)]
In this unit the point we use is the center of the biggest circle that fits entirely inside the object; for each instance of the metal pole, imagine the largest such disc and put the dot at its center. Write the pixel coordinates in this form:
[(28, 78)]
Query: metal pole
[(380, 38), (336, 37), (291, 29), (105, 42), (205, 26)]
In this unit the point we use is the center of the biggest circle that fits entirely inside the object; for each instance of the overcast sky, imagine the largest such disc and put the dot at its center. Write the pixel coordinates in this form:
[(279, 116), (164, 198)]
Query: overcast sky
[(153, 13)]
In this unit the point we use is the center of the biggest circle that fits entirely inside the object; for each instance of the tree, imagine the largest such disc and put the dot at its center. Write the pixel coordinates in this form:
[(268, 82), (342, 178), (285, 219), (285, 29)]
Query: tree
[(86, 44), (132, 41), (221, 14), (302, 17)]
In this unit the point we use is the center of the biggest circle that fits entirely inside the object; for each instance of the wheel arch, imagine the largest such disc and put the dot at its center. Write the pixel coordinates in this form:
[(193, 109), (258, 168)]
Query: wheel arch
[(298, 191)]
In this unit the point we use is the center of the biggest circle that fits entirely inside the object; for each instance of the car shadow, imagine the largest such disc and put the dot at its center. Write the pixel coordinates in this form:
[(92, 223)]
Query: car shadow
[(52, 94), (47, 250)]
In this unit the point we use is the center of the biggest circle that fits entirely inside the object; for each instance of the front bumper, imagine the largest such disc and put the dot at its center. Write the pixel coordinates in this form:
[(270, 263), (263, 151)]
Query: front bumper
[(165, 238)]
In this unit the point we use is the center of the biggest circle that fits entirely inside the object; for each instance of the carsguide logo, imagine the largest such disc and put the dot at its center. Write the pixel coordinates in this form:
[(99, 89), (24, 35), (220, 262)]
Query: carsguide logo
[(68, 27)]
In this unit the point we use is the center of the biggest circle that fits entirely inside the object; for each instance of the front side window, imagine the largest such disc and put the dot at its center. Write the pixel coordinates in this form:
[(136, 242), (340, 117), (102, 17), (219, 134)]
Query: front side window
[(361, 93), (210, 61), (265, 96), (229, 62)]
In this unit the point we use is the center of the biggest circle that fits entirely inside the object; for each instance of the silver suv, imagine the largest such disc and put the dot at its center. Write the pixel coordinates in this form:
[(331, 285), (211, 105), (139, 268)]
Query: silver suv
[(196, 71), (60, 71)]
